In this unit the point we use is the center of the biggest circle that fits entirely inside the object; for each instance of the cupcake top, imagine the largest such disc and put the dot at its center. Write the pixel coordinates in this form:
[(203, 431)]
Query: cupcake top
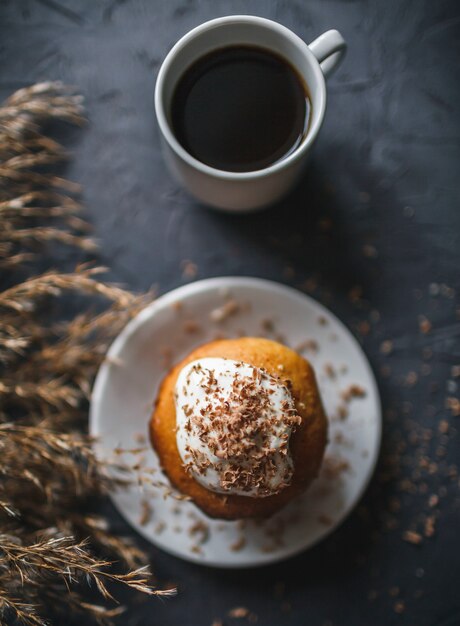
[(234, 422)]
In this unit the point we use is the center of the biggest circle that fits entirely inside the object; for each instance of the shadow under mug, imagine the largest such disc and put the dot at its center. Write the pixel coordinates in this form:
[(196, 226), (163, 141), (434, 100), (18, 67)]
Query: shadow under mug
[(245, 191)]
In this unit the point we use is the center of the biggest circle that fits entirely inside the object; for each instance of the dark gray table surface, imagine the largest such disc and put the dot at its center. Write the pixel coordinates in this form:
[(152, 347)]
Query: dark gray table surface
[(377, 209)]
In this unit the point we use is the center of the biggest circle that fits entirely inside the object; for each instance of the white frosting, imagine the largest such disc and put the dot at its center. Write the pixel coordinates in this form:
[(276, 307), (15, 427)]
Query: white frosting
[(262, 412)]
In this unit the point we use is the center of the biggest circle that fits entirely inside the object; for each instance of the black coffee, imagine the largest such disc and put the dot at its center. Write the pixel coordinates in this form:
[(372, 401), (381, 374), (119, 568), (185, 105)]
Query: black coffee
[(240, 109)]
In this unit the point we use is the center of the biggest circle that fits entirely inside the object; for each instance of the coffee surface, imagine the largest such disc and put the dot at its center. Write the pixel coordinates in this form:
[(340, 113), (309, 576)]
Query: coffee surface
[(240, 109)]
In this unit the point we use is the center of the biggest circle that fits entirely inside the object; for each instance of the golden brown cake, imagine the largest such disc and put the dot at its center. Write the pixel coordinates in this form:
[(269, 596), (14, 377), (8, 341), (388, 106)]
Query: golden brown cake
[(239, 427)]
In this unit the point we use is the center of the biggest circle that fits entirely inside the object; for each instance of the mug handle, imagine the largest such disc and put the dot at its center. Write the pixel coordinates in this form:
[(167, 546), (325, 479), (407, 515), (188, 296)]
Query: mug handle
[(329, 48)]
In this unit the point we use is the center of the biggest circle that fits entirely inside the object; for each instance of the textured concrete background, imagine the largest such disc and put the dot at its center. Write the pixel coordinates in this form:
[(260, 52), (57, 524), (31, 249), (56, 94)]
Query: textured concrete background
[(377, 209)]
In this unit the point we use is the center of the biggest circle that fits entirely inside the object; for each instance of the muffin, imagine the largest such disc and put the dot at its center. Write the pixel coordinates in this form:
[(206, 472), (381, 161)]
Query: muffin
[(239, 427)]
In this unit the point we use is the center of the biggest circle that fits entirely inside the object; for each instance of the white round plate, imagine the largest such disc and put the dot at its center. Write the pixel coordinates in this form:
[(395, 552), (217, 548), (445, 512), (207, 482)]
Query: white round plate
[(166, 331)]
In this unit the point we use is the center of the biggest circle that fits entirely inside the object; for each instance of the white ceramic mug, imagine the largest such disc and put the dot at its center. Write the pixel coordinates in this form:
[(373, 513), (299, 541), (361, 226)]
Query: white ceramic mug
[(245, 191)]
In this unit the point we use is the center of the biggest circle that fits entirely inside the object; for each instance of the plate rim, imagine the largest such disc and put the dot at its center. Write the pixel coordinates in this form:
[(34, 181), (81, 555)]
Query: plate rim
[(187, 290)]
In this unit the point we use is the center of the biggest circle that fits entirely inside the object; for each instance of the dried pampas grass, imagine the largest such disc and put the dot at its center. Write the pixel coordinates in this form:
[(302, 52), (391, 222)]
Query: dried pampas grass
[(53, 545)]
